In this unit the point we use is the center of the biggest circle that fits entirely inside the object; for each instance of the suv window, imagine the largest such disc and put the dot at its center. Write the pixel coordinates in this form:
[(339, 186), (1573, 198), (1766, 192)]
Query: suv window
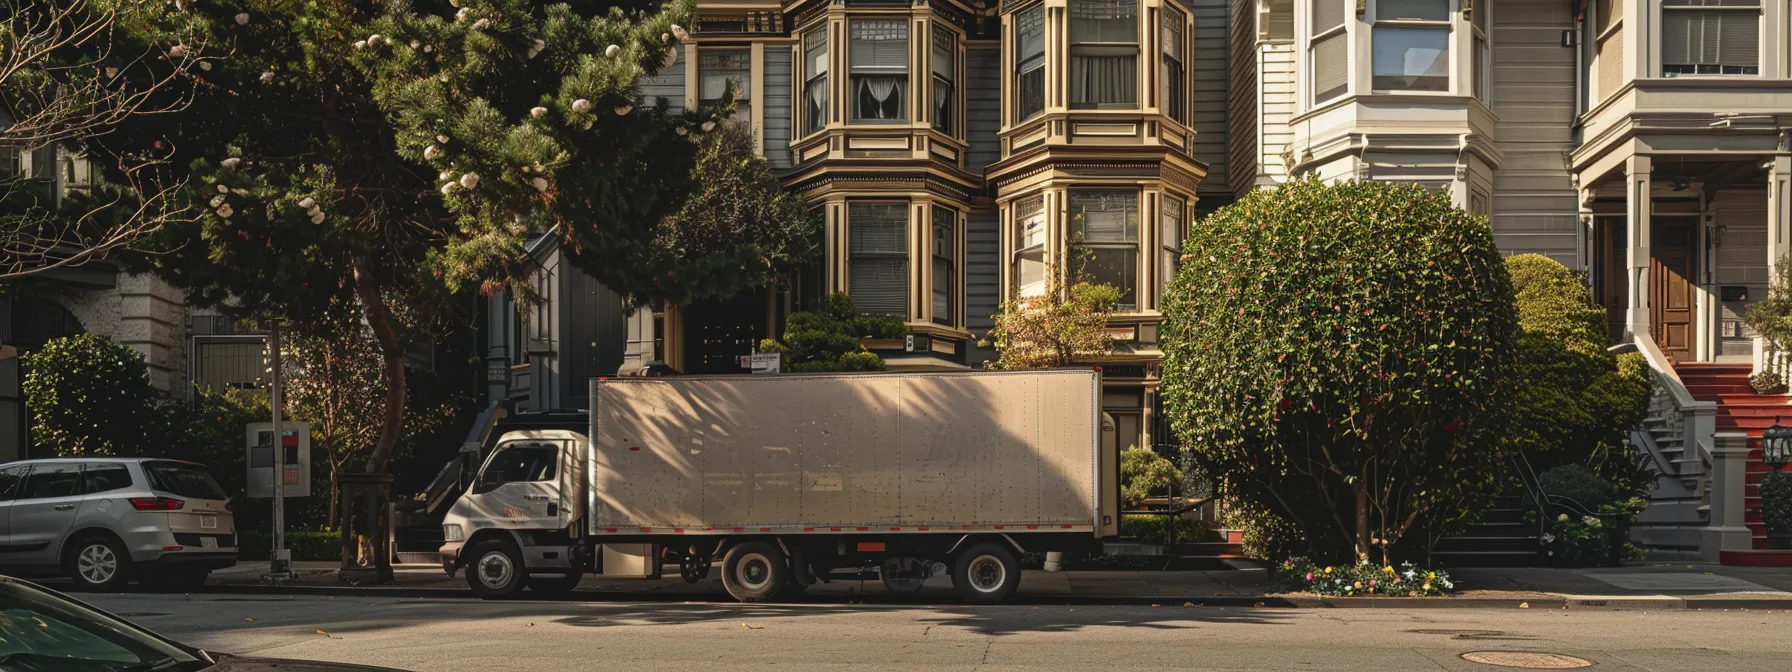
[(104, 478), (10, 478), (523, 463), (52, 480), (185, 480)]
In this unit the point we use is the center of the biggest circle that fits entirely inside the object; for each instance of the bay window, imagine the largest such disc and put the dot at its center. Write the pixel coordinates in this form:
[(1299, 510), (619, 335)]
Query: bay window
[(1028, 265), (1411, 45), (878, 265), (1175, 76), (1104, 229), (1608, 43), (815, 86), (1169, 240), (717, 71), (945, 71), (1029, 63), (1483, 59), (1710, 37), (1104, 54), (879, 63), (945, 268), (1328, 51)]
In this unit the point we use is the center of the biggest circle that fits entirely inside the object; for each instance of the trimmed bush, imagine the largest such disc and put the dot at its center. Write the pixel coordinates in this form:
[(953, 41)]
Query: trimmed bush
[(1585, 489), (827, 338), (1144, 474), (1340, 355), (91, 396), (1776, 503)]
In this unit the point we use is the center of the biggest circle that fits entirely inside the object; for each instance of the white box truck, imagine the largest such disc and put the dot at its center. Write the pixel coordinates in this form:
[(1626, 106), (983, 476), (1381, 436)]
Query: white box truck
[(793, 479)]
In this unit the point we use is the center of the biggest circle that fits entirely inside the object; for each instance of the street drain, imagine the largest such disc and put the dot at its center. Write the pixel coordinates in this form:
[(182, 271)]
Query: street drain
[(1530, 660)]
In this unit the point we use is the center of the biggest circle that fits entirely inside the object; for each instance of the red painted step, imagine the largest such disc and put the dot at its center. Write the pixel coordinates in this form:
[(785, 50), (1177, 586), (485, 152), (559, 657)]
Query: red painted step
[(1740, 409)]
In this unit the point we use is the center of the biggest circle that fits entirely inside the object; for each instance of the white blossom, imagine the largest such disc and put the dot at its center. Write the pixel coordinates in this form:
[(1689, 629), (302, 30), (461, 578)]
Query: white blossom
[(111, 71), (240, 191), (373, 39), (611, 51), (449, 187), (308, 203), (581, 105), (694, 138), (317, 217), (624, 109), (428, 48), (217, 200), (462, 15), (538, 112), (445, 175), (709, 126), (205, 65), (178, 51), (540, 184), (430, 153), (223, 189), (415, 44), (680, 130), (481, 24), (226, 211), (230, 162), (665, 37), (538, 45), (267, 77), (360, 44), (679, 32), (671, 57), (242, 19), (469, 180)]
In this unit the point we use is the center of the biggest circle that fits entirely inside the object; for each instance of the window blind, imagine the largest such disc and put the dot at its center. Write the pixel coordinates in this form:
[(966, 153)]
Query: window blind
[(1721, 37), (1331, 64), (1327, 14), (878, 275)]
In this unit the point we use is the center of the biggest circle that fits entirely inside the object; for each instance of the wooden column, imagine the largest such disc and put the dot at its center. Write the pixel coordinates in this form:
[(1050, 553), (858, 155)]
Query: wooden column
[(1637, 229)]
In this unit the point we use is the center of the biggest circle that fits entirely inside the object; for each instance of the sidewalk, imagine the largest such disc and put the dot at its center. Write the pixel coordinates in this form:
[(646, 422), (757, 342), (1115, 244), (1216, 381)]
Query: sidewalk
[(1650, 586)]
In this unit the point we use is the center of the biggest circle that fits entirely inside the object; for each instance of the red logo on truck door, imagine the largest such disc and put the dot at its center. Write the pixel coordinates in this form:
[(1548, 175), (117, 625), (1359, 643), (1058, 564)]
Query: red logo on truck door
[(512, 512)]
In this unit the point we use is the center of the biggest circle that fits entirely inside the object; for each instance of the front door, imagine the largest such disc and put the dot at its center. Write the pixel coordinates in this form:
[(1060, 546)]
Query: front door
[(1671, 287), (42, 513)]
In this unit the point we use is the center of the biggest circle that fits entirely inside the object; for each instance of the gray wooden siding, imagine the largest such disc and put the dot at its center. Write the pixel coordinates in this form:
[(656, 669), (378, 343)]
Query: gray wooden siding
[(983, 106), (1241, 109), (1534, 208), (777, 105), (1278, 107), (594, 337), (982, 279), (1209, 88), (669, 84)]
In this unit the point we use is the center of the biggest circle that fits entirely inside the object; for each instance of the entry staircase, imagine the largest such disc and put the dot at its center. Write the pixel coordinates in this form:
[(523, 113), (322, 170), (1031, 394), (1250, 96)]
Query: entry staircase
[(1740, 409)]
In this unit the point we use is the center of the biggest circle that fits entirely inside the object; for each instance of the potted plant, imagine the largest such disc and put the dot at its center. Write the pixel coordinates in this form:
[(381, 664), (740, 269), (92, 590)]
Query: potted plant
[(1776, 508)]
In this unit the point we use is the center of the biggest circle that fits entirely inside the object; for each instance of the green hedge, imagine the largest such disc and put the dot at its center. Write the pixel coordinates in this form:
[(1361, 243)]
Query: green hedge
[(305, 545)]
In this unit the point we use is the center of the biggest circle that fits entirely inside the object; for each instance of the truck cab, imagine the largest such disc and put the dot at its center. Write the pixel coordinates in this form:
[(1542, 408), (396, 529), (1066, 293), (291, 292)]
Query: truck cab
[(516, 523)]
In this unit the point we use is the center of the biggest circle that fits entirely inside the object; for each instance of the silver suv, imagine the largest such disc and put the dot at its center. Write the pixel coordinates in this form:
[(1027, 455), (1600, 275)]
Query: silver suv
[(106, 521)]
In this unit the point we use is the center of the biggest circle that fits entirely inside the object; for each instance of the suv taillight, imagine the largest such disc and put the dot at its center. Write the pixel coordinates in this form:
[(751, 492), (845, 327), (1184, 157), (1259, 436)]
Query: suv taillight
[(229, 506), (157, 503)]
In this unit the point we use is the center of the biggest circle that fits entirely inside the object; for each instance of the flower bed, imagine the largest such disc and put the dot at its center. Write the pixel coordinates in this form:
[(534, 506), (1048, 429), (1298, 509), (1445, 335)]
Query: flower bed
[(1366, 580)]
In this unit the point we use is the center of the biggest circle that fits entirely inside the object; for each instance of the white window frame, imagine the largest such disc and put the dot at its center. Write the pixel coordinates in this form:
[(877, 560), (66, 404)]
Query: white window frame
[(1135, 244), (1024, 67), (1094, 49), (742, 85), (854, 72), (1447, 24), (953, 126), (1663, 10), (1480, 28), (810, 39), (1170, 234), (905, 253), (1030, 217), (1175, 90), (944, 250), (1340, 32)]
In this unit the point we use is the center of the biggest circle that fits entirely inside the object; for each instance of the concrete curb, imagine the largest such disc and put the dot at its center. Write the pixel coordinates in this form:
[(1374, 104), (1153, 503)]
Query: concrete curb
[(1557, 602)]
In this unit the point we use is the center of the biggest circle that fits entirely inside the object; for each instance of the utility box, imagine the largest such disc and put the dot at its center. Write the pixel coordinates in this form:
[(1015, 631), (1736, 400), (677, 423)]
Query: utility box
[(296, 447)]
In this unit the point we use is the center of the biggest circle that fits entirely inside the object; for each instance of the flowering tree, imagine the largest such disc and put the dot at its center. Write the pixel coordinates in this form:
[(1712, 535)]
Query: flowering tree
[(1059, 328)]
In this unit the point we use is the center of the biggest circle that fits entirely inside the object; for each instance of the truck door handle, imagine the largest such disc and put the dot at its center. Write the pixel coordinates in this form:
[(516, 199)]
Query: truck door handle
[(64, 507), (553, 509)]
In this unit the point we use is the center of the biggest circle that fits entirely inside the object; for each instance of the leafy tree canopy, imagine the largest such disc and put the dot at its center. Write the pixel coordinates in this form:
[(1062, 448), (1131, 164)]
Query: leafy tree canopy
[(91, 396), (827, 338)]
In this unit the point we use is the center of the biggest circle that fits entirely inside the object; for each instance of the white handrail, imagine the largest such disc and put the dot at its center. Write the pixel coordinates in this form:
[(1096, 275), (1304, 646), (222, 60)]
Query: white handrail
[(1664, 371)]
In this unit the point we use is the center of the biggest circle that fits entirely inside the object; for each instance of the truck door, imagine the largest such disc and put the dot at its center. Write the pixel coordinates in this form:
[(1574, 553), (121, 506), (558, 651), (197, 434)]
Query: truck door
[(519, 488)]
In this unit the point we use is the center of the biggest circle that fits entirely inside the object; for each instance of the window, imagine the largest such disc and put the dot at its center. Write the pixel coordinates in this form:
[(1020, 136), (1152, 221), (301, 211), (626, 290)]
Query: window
[(1169, 239), (720, 69), (1411, 50), (945, 268), (99, 478), (1104, 54), (1483, 59), (1029, 247), (1710, 37), (1104, 227), (186, 480), (1328, 54), (52, 480), (523, 463), (1175, 77), (879, 53), (815, 88), (1609, 43), (10, 478), (877, 275), (945, 71), (1029, 63)]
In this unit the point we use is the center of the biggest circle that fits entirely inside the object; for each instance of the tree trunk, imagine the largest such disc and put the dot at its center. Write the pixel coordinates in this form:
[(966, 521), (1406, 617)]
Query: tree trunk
[(385, 332), (1363, 545)]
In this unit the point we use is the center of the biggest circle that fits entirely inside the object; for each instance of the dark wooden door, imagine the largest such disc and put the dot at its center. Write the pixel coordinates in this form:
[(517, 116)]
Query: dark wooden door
[(1671, 287), (1610, 287)]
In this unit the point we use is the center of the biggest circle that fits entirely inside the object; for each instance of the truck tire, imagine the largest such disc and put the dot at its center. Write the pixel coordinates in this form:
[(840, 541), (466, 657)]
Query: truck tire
[(986, 573), (495, 570), (755, 572), (555, 586)]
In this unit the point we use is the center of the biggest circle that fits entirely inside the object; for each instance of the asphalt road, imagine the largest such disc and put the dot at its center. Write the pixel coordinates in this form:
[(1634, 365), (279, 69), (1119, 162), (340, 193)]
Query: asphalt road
[(426, 635)]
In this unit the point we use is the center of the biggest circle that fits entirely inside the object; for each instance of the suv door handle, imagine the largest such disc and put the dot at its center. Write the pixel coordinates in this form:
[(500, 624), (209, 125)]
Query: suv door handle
[(64, 507)]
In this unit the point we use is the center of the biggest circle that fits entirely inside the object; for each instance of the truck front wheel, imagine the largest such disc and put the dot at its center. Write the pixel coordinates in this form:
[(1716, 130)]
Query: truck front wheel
[(755, 572), (495, 569), (986, 573)]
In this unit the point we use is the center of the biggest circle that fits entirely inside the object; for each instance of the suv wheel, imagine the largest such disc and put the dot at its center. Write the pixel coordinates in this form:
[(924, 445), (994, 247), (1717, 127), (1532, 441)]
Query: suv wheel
[(98, 563)]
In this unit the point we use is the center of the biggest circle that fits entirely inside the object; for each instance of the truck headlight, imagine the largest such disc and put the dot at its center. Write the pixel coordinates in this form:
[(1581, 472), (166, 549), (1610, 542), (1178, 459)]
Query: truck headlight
[(452, 533)]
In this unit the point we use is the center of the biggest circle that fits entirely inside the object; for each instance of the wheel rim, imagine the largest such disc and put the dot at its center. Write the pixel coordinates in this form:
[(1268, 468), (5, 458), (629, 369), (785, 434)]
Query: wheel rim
[(753, 572), (97, 563), (496, 570), (986, 573)]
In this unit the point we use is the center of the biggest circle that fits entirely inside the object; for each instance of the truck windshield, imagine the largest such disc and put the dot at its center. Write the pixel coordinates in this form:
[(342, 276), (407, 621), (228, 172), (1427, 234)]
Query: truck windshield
[(523, 463)]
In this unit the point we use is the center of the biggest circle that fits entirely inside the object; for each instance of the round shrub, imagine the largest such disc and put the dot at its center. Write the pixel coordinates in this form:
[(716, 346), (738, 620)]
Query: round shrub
[(1776, 502), (91, 396), (1583, 490), (1341, 356)]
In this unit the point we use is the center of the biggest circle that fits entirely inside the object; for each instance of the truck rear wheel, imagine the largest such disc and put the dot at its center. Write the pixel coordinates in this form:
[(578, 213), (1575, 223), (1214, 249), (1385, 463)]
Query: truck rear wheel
[(986, 573), (495, 570), (755, 572)]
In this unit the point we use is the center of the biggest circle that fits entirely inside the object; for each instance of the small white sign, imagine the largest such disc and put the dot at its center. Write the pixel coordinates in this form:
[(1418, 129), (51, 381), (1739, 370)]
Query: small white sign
[(762, 362)]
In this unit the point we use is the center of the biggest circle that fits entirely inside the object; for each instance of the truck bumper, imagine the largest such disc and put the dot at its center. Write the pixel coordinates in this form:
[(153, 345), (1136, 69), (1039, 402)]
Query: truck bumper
[(450, 553)]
